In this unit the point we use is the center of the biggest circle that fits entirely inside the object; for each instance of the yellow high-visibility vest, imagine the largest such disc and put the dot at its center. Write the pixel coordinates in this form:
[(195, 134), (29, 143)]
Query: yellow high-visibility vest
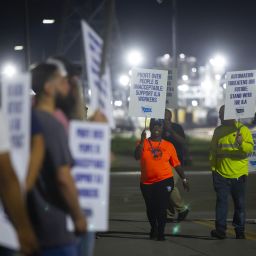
[(228, 158)]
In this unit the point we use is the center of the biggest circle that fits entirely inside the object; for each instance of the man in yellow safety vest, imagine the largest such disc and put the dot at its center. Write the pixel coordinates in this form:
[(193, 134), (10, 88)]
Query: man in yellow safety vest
[(230, 145)]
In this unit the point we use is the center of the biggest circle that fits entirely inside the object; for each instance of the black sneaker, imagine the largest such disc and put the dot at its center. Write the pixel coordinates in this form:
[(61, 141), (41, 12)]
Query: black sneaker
[(218, 234), (240, 236), (170, 220), (161, 238), (183, 215), (153, 234)]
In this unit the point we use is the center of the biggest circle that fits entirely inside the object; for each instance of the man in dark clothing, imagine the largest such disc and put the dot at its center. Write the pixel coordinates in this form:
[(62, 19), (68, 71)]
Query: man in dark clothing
[(174, 133), (54, 196)]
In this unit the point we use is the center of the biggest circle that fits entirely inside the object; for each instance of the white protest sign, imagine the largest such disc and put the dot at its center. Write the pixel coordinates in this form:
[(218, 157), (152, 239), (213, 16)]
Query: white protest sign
[(101, 92), (252, 156), (148, 93), (8, 237), (16, 106), (90, 148), (240, 94), (172, 90)]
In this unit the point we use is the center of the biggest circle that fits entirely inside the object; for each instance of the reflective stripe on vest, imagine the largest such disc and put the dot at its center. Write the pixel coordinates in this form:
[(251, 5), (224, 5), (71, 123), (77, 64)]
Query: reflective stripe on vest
[(226, 145), (231, 155)]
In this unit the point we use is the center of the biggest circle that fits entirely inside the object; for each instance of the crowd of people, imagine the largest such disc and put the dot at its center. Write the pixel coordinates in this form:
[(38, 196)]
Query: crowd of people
[(162, 157), (39, 211)]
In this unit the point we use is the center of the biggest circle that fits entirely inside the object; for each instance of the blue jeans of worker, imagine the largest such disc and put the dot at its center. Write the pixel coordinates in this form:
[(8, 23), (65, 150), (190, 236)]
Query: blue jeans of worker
[(223, 188), (68, 250), (86, 244)]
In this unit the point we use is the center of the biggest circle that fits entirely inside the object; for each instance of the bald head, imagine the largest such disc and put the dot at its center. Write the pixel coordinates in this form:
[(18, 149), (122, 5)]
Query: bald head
[(229, 122), (221, 113)]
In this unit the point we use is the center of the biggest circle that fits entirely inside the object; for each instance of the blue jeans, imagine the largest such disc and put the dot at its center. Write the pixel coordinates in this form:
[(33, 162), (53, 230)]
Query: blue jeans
[(236, 187), (68, 250), (86, 244)]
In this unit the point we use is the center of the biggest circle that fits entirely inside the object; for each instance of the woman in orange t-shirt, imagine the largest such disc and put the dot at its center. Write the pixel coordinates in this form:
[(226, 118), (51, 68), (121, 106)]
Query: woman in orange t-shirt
[(157, 158)]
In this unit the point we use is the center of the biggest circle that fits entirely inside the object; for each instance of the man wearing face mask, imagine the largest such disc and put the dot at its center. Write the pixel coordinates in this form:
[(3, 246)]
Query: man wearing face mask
[(157, 158)]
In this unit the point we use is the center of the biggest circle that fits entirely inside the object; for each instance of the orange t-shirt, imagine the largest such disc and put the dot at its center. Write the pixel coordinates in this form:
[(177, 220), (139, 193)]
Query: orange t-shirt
[(155, 169)]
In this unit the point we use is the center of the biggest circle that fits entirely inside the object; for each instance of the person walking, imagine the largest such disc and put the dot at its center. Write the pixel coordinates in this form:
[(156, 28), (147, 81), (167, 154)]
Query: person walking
[(230, 145), (157, 158), (54, 195), (174, 133)]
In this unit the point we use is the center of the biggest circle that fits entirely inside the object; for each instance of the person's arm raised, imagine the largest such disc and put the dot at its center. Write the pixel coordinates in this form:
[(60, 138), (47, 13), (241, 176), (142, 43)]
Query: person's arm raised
[(139, 148)]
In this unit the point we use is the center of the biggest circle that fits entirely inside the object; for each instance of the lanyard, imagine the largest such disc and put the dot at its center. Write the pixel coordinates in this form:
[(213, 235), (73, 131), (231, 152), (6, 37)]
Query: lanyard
[(155, 151)]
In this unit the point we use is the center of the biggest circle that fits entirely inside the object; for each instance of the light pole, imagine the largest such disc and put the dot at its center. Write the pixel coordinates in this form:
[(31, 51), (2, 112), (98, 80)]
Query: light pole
[(174, 40), (27, 38), (174, 50)]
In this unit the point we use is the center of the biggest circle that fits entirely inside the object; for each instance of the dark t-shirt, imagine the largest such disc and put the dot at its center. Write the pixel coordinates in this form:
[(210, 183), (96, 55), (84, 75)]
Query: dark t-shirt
[(35, 125), (46, 206), (178, 146)]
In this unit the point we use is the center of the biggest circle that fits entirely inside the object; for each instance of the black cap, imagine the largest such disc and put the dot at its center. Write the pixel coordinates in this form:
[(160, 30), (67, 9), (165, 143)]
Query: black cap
[(154, 121)]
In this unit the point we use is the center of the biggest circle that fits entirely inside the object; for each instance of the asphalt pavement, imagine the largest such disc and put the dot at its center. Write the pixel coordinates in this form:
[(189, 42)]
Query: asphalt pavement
[(128, 230)]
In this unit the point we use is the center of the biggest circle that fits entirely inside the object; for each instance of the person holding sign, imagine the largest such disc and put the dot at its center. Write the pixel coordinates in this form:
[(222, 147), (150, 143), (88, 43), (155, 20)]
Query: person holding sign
[(157, 158), (230, 145), (12, 197)]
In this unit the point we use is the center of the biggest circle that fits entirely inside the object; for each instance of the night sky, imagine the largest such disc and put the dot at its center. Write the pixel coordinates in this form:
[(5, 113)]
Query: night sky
[(204, 28)]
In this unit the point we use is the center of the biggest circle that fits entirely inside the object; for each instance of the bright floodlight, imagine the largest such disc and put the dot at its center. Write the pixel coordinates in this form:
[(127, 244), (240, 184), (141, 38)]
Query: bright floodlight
[(166, 56), (48, 21), (134, 58), (218, 77), (183, 87), (118, 103), (18, 47), (182, 56), (218, 61), (194, 103), (124, 80), (194, 70), (9, 70), (207, 83), (185, 78)]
